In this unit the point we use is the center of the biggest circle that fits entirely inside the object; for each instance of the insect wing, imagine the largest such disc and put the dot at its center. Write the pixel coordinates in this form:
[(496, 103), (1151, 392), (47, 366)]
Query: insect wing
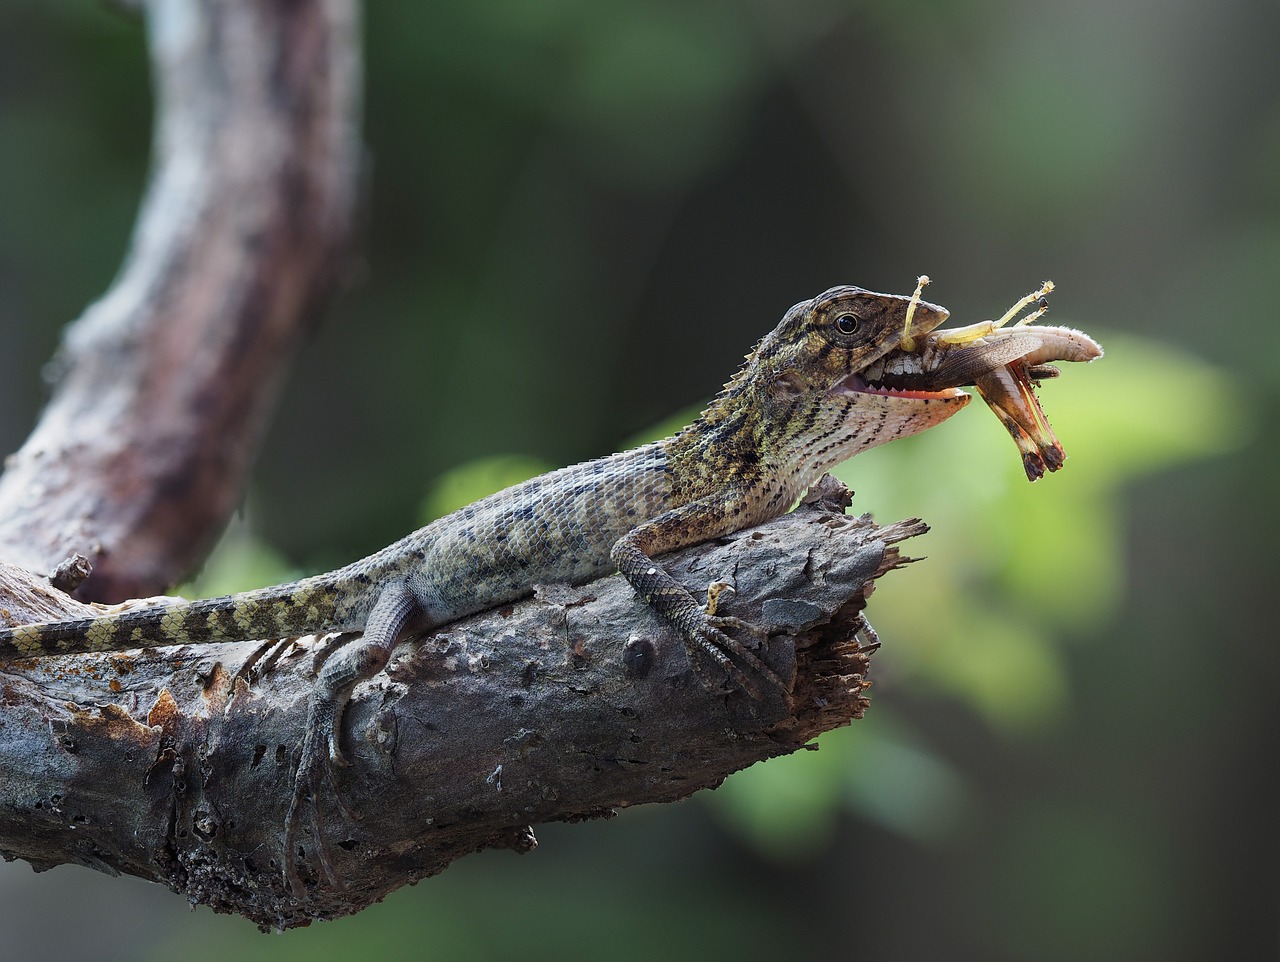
[(968, 362)]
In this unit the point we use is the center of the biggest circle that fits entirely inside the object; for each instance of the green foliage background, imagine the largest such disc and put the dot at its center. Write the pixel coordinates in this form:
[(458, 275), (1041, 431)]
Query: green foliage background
[(580, 214)]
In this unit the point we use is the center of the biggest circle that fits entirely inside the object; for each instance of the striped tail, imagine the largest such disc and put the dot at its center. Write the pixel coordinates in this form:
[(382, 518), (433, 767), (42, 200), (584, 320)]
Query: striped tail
[(284, 611)]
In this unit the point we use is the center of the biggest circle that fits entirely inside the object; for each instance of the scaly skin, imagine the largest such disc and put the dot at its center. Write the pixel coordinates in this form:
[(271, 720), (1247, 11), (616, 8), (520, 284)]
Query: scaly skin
[(795, 409)]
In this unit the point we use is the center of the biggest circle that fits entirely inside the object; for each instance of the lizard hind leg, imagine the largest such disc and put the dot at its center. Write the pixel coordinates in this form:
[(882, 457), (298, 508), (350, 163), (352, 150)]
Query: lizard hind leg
[(396, 610)]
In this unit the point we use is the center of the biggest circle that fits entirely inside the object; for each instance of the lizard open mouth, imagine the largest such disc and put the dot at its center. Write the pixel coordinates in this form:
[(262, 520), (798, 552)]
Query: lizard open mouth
[(898, 387)]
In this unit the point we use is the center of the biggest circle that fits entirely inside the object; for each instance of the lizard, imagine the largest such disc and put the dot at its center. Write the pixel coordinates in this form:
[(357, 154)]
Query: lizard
[(798, 406)]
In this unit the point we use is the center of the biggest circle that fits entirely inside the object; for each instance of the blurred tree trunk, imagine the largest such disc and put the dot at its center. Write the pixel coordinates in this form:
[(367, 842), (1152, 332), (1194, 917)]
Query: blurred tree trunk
[(165, 384)]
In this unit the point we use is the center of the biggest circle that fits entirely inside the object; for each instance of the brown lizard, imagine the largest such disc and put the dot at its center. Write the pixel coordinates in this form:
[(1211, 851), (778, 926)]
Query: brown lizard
[(800, 404)]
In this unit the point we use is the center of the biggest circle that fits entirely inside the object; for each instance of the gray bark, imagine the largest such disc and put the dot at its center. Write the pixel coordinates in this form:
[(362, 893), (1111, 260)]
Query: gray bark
[(177, 764)]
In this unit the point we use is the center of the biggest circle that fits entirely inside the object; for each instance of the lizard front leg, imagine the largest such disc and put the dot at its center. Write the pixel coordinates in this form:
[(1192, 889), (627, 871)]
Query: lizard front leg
[(704, 634), (395, 613)]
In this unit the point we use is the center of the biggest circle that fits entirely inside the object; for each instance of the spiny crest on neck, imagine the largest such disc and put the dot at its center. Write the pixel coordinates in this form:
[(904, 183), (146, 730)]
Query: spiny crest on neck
[(728, 403), (730, 397)]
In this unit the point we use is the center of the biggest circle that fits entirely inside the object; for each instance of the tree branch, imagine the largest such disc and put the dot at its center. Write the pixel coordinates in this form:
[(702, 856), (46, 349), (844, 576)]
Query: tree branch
[(176, 764), (165, 383)]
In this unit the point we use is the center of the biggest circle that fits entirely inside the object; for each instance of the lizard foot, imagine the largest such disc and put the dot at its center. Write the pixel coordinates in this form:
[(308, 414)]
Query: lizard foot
[(319, 757), (712, 639), (264, 659), (321, 754), (308, 781), (341, 666)]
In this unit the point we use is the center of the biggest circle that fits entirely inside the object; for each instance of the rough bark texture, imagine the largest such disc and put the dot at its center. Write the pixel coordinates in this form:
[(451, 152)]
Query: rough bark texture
[(176, 764), (165, 383)]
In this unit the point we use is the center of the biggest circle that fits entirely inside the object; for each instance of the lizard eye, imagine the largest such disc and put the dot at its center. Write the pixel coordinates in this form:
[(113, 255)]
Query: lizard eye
[(848, 323)]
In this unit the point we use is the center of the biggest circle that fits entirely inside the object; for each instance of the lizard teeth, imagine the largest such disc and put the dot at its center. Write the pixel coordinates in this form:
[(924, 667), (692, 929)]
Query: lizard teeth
[(857, 384)]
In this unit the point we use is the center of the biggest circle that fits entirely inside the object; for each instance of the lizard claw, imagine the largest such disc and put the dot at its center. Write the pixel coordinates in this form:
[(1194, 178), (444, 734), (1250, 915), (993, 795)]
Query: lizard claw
[(321, 754), (723, 648), (314, 773), (340, 666), (714, 591), (729, 623)]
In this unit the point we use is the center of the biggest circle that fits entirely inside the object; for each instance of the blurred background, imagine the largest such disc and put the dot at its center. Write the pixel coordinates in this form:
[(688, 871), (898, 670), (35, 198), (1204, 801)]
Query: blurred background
[(581, 213)]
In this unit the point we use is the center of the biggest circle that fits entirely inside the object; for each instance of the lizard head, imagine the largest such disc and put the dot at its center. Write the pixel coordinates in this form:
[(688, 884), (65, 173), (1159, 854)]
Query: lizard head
[(803, 389)]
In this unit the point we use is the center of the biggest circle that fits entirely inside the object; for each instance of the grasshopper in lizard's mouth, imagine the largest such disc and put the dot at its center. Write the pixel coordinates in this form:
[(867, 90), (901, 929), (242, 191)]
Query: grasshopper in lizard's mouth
[(1002, 359)]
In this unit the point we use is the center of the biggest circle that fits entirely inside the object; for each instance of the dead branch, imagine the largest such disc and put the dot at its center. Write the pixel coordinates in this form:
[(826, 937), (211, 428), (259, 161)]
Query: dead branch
[(176, 765)]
